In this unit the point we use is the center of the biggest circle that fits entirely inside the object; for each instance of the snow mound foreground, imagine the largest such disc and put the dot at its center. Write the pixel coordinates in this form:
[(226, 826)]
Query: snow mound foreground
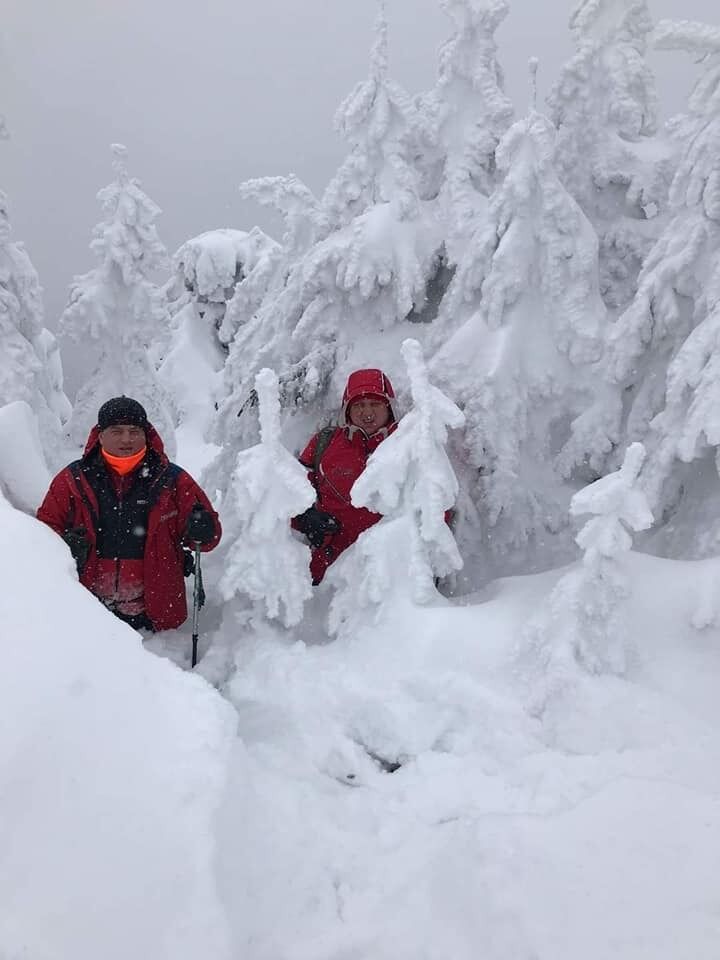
[(591, 830), (395, 794), (112, 765)]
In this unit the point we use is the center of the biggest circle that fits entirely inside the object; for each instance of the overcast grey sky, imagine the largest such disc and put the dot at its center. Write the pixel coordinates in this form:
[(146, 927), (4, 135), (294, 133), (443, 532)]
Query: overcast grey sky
[(208, 93)]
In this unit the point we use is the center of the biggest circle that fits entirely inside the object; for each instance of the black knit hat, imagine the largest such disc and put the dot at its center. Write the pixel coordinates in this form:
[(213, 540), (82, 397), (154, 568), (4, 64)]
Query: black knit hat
[(122, 410)]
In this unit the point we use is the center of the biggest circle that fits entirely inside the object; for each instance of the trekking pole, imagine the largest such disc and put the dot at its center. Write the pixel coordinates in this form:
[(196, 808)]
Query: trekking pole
[(198, 599)]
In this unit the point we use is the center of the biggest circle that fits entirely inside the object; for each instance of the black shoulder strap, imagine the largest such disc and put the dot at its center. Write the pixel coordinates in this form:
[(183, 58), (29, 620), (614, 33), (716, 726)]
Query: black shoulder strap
[(166, 478), (323, 442), (76, 470)]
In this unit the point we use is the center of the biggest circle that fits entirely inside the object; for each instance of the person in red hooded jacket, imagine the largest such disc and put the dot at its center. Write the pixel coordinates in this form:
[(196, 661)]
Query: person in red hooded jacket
[(335, 459), (126, 513)]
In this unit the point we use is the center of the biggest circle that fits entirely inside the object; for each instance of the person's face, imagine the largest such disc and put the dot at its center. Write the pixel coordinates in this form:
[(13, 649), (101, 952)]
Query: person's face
[(122, 439), (369, 414)]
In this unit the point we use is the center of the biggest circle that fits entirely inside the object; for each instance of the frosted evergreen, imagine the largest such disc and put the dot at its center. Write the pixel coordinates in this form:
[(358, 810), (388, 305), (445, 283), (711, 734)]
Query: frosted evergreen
[(30, 366), (117, 309)]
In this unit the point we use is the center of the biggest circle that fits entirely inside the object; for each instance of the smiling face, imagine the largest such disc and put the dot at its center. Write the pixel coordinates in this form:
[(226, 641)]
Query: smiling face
[(122, 439), (370, 414)]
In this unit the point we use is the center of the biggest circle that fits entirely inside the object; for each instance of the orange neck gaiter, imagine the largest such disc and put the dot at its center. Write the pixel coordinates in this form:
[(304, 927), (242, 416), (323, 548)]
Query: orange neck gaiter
[(123, 465)]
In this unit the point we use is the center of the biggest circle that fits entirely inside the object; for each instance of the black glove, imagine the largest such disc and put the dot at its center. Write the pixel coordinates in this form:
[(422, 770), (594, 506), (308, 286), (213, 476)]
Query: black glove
[(200, 526), (316, 525), (77, 539)]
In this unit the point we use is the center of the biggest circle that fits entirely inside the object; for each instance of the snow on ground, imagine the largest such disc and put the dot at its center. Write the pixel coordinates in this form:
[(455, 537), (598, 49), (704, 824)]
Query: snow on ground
[(592, 832), (24, 476), (112, 764), (135, 822)]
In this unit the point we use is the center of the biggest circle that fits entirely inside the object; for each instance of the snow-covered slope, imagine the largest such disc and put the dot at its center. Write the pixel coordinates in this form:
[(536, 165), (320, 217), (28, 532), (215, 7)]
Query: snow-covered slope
[(590, 828), (112, 765), (136, 823)]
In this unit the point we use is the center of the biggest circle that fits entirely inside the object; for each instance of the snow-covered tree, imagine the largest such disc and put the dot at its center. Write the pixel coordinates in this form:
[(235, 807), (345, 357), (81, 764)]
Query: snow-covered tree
[(30, 367), (225, 274), (604, 106), (265, 564), (525, 364), (117, 310), (385, 131), (374, 246), (220, 280), (584, 623), (409, 480), (663, 346), (472, 114)]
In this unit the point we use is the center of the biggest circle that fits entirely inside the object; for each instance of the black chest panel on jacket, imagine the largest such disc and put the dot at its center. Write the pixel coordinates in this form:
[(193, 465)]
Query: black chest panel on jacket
[(122, 521)]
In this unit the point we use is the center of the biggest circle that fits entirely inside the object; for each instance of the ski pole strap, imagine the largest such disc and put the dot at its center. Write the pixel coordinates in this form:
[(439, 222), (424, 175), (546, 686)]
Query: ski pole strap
[(321, 444), (76, 472)]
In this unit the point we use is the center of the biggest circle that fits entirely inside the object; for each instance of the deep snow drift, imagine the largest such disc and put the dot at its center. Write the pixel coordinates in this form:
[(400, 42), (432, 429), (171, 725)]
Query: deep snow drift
[(141, 816), (112, 765), (591, 830)]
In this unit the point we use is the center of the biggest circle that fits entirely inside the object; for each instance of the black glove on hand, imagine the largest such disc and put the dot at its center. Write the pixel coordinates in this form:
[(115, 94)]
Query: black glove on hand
[(77, 539), (316, 525), (200, 526)]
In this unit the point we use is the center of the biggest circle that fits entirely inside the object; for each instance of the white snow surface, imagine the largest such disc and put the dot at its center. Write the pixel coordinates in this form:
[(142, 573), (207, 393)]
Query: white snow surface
[(112, 764), (590, 831), (24, 476), (141, 816)]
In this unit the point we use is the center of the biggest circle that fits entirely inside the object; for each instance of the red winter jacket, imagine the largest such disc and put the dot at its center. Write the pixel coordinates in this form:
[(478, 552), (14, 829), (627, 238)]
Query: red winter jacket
[(340, 465), (155, 576)]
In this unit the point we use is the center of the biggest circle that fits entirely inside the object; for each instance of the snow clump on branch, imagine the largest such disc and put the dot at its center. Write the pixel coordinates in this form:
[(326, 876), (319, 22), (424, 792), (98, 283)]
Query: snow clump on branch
[(265, 563), (410, 481)]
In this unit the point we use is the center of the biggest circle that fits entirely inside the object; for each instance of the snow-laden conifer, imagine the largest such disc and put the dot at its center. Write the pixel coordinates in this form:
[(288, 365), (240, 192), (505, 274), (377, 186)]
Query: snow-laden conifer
[(225, 273), (374, 248), (663, 347), (265, 564), (117, 311), (472, 113), (302, 213), (220, 280), (584, 622), (410, 481), (524, 365), (30, 366), (384, 129), (604, 106)]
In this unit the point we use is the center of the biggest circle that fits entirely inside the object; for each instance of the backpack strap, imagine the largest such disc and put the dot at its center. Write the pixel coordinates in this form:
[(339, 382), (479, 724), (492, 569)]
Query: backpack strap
[(323, 442), (166, 479), (76, 471)]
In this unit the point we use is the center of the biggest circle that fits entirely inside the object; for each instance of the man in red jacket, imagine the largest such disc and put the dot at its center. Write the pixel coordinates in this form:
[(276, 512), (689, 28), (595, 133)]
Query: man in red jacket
[(126, 513), (336, 458)]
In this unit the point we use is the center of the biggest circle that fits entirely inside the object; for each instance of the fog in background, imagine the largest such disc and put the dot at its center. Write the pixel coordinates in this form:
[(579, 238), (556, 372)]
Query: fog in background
[(210, 93)]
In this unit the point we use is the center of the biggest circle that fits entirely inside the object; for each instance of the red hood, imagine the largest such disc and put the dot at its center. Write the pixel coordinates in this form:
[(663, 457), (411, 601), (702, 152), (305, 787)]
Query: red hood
[(368, 383), (153, 441)]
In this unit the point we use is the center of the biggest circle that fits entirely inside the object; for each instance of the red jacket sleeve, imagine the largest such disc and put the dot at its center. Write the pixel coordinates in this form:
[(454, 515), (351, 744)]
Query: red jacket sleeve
[(307, 457), (57, 508), (188, 494)]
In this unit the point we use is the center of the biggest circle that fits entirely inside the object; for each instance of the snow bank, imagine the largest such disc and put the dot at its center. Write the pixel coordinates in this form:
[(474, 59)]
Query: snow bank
[(112, 764), (24, 476), (394, 794), (590, 831)]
